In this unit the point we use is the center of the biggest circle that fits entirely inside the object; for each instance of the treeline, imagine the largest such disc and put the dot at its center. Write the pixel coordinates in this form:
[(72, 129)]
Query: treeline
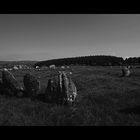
[(132, 61), (97, 60)]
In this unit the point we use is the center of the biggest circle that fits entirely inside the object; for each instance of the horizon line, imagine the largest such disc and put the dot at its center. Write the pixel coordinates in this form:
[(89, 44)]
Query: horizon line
[(69, 57)]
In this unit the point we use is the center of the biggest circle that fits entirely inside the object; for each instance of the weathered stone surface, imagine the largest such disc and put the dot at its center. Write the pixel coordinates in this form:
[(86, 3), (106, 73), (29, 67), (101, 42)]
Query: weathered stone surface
[(126, 71), (10, 84), (52, 66), (68, 88), (1, 87), (52, 90), (61, 89), (15, 68), (62, 67), (31, 85)]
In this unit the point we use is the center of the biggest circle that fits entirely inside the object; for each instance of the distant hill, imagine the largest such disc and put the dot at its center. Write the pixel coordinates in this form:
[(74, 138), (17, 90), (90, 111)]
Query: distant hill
[(103, 60), (12, 63), (96, 60), (18, 62)]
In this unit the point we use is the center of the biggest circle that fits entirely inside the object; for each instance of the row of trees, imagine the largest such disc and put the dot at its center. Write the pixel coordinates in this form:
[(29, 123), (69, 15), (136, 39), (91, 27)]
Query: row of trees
[(132, 61), (97, 60), (102, 60)]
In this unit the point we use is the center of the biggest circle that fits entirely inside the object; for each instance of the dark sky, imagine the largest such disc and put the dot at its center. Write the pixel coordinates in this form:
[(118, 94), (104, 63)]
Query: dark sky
[(48, 36)]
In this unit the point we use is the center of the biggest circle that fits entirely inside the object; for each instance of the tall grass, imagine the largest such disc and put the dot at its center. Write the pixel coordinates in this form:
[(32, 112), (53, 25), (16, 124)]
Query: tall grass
[(104, 98)]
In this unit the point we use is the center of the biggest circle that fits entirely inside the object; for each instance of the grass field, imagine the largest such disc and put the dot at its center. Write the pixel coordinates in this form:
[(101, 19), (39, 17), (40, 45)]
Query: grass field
[(104, 98)]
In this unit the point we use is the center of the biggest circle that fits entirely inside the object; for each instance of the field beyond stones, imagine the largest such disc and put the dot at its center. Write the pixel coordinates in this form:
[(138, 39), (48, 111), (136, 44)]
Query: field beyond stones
[(104, 98)]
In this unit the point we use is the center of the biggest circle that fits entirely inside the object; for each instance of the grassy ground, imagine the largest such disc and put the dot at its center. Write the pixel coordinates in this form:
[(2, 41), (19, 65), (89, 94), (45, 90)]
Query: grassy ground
[(104, 98)]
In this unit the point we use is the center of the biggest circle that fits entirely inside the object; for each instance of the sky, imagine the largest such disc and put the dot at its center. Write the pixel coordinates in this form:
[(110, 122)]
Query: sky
[(49, 36)]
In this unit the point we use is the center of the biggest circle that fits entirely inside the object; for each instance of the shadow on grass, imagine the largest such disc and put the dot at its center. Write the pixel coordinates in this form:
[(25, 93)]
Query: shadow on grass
[(134, 110), (124, 76)]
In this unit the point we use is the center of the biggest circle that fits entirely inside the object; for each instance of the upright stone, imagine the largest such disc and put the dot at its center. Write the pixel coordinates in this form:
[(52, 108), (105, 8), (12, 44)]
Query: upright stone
[(31, 85), (1, 87), (69, 89), (61, 89), (52, 90), (126, 71), (10, 85)]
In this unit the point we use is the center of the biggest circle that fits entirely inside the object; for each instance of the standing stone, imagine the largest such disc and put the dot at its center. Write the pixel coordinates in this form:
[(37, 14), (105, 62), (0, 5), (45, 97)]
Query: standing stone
[(31, 85), (52, 66), (10, 85), (61, 89), (62, 67), (69, 89), (15, 68), (52, 90), (1, 87), (126, 71)]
